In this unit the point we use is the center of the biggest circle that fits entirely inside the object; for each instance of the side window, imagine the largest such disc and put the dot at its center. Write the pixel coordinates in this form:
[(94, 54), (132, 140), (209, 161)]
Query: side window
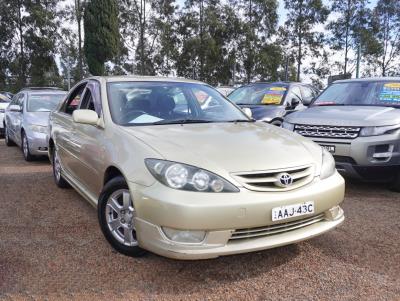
[(294, 93), (91, 99), (308, 93), (73, 100), (20, 101)]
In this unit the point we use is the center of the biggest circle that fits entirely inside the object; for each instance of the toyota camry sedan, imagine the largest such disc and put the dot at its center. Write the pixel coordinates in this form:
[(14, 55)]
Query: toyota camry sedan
[(187, 181)]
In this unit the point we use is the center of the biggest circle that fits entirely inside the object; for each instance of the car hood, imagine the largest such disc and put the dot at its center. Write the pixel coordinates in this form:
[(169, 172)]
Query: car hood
[(38, 118), (346, 115), (229, 147), (265, 112)]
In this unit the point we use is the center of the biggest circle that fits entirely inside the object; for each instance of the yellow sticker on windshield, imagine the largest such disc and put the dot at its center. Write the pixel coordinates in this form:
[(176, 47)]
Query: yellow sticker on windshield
[(271, 99), (278, 89), (392, 85)]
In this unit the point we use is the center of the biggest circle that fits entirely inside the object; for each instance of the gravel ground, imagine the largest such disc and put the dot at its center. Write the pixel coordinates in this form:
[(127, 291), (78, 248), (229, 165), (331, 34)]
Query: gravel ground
[(51, 248)]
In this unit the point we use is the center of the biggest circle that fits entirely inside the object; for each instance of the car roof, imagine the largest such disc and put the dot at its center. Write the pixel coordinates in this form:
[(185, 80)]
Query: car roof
[(130, 78), (368, 79), (288, 83), (41, 88)]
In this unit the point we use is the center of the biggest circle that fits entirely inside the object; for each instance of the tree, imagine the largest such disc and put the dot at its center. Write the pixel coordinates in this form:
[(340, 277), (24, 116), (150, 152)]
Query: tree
[(303, 16), (102, 39), (346, 30), (384, 48)]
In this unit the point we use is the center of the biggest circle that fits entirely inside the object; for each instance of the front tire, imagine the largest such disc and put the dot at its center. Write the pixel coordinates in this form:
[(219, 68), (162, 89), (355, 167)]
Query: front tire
[(57, 171), (116, 213), (395, 183), (25, 148)]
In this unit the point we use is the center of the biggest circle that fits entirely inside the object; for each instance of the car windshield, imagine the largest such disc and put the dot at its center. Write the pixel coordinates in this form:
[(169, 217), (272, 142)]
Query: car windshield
[(259, 94), (44, 102), (371, 93), (152, 103)]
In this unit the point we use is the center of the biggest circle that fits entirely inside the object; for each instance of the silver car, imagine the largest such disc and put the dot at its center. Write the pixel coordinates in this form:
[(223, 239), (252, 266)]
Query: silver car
[(358, 121), (26, 119)]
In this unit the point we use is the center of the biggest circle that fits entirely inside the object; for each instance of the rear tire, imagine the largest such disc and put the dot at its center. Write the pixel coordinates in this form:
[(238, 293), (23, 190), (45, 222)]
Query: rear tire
[(25, 148), (395, 183), (57, 171), (116, 217), (7, 139)]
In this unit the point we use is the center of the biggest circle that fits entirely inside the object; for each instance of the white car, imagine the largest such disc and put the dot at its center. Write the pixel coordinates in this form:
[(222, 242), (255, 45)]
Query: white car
[(4, 102)]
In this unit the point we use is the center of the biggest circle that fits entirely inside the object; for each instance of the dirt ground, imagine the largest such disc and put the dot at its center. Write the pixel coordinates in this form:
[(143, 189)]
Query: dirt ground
[(51, 248)]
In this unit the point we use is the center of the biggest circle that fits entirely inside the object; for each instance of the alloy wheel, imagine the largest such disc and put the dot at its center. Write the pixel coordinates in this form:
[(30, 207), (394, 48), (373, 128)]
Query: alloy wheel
[(25, 146), (120, 214), (57, 166)]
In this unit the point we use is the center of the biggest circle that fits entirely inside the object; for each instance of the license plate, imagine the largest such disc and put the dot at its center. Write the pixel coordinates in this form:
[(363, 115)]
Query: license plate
[(285, 212), (329, 148)]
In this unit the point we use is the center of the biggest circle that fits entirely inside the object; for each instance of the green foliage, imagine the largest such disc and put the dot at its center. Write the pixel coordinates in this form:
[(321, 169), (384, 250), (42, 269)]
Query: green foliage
[(347, 31), (102, 40), (303, 16), (383, 48)]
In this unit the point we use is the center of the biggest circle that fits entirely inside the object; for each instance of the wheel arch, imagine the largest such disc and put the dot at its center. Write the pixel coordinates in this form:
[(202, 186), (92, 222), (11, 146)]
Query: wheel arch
[(110, 173)]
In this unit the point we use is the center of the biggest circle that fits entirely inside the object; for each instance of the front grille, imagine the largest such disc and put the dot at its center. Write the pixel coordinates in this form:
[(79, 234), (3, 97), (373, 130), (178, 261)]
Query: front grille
[(270, 180), (327, 131), (275, 229)]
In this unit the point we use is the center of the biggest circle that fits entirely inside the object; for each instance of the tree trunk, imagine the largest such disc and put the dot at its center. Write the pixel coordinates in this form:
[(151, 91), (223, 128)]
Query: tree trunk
[(201, 41), (346, 49), (78, 12), (300, 36), (22, 76)]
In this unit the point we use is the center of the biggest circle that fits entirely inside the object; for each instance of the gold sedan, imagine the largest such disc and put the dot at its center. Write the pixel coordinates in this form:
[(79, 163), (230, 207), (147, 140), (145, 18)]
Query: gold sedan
[(176, 169)]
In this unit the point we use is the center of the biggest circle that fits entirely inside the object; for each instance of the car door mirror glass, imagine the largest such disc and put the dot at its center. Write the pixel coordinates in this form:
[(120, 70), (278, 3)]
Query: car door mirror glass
[(15, 108), (85, 117), (294, 102)]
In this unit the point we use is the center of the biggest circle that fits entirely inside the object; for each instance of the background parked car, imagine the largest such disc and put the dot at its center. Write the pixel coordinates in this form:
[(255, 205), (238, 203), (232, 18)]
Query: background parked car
[(270, 102), (7, 94), (26, 119), (358, 121), (4, 102), (225, 90)]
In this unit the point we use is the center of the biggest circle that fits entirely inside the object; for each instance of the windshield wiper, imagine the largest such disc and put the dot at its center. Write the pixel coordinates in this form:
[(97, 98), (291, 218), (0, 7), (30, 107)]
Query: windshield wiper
[(182, 121), (328, 104), (241, 120)]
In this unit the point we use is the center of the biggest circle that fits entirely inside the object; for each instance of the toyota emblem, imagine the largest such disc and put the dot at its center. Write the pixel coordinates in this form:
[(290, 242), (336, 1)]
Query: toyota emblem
[(285, 179)]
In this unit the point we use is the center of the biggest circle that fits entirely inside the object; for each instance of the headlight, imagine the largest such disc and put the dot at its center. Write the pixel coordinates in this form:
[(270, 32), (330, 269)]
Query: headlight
[(38, 128), (187, 177), (288, 126), (328, 165), (379, 130)]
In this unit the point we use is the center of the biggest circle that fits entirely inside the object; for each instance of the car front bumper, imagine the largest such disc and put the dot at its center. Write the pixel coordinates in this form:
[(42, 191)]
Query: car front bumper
[(37, 143), (374, 157), (220, 215)]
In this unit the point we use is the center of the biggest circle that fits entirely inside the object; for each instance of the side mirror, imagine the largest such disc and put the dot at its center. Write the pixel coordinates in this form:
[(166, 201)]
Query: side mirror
[(85, 117), (15, 108), (294, 102), (308, 100), (248, 112)]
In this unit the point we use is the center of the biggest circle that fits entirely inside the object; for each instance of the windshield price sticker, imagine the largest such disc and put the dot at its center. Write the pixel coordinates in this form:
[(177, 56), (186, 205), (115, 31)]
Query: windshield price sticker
[(390, 93), (285, 212), (271, 99)]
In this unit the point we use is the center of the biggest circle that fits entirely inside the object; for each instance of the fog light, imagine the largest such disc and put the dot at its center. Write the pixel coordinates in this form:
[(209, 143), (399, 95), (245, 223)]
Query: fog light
[(184, 236), (334, 213)]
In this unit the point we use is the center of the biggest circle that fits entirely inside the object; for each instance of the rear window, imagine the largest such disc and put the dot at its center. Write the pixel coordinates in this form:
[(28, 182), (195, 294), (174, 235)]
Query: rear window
[(44, 102)]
